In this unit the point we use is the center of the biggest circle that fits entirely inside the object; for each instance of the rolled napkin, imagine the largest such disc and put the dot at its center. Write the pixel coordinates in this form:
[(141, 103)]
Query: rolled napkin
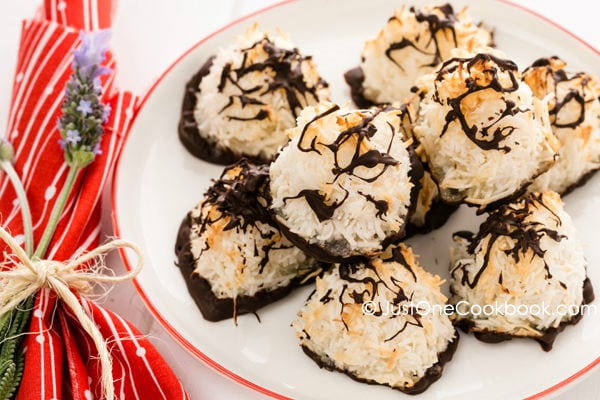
[(61, 358)]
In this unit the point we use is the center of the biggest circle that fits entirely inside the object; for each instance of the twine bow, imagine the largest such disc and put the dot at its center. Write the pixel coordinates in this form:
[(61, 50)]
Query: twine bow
[(22, 277)]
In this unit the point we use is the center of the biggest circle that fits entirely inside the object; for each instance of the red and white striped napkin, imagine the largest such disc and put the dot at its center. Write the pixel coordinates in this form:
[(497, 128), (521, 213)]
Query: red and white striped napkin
[(60, 358)]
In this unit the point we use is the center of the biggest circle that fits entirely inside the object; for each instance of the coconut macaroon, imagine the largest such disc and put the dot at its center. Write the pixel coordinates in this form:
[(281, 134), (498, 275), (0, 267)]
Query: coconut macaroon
[(575, 118), (231, 253), (381, 321), (243, 99), (343, 186), (412, 43), (527, 265), (486, 137)]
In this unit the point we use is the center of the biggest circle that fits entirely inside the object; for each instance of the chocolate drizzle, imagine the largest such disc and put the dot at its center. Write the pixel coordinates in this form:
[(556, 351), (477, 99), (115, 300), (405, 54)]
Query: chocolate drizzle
[(374, 161), (556, 77), (236, 195), (490, 136), (372, 287), (380, 205), (238, 199), (436, 25), (510, 220), (286, 65), (365, 164), (313, 143), (317, 202)]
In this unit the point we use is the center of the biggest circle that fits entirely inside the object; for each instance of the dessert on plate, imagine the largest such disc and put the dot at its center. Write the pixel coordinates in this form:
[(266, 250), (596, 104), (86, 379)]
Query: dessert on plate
[(575, 119), (344, 185), (231, 253), (485, 136), (412, 43), (445, 119), (242, 100), (527, 265), (375, 321)]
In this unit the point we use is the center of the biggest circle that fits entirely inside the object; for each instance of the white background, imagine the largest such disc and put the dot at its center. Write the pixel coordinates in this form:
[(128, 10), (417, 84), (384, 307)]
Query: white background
[(148, 36)]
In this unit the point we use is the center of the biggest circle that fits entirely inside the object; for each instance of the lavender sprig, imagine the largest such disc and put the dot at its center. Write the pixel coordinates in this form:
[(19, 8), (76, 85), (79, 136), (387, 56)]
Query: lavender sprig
[(83, 114), (81, 123), (81, 130)]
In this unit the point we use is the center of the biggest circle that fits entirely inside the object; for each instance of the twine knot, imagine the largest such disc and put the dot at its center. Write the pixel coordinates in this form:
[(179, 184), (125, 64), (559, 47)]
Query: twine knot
[(42, 270), (22, 277)]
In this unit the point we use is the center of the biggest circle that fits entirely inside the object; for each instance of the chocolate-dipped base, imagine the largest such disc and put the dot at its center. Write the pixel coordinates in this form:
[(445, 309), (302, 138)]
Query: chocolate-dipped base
[(432, 374), (546, 340), (212, 307), (436, 217), (582, 181), (322, 253), (192, 139), (355, 79), (329, 252)]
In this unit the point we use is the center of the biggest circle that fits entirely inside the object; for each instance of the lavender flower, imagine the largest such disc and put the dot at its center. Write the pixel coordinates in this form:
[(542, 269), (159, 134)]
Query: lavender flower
[(91, 53), (85, 107), (97, 150), (73, 137), (83, 113), (107, 110), (97, 85)]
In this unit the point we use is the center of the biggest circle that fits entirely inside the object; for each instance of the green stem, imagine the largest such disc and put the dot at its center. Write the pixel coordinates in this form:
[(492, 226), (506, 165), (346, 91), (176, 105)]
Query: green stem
[(25, 211), (57, 211)]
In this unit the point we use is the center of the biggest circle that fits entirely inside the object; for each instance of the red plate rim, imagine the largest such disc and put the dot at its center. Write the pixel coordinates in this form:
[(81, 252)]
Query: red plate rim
[(183, 341)]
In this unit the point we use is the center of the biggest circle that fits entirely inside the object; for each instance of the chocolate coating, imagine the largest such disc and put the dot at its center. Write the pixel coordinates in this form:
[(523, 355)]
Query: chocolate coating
[(582, 181), (212, 307), (436, 217), (432, 374), (546, 340), (355, 79), (325, 254)]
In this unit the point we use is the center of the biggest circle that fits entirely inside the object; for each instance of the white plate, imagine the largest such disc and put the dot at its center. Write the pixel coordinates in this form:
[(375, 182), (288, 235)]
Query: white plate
[(158, 181)]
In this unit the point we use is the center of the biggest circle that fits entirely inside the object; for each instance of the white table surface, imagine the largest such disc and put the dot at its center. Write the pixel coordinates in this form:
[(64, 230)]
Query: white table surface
[(147, 36)]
